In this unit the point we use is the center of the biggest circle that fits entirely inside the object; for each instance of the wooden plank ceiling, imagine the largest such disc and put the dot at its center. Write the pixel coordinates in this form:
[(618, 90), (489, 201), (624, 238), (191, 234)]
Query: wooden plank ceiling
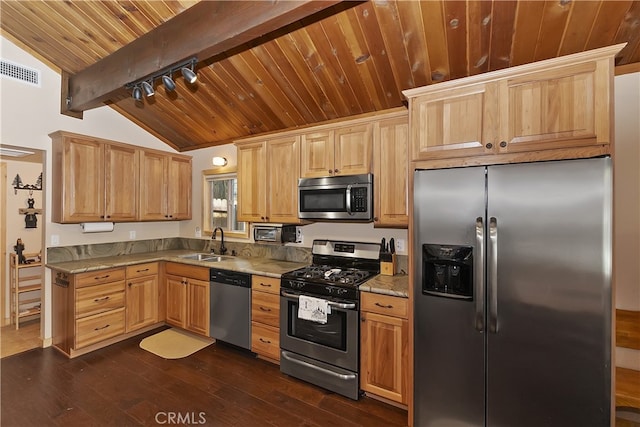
[(349, 59)]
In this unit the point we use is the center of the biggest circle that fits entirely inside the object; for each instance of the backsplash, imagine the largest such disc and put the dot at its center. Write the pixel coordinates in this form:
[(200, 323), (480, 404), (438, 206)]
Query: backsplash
[(248, 250)]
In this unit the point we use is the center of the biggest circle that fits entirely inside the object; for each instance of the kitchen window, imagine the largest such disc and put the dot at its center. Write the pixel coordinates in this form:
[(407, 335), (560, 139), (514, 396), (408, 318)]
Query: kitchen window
[(220, 204)]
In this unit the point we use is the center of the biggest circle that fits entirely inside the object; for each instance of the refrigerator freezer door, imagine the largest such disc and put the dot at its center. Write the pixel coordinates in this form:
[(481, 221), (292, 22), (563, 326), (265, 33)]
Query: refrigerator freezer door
[(549, 360), (449, 350)]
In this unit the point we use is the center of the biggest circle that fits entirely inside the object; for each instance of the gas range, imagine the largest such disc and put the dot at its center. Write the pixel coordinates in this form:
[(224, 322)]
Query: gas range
[(338, 269)]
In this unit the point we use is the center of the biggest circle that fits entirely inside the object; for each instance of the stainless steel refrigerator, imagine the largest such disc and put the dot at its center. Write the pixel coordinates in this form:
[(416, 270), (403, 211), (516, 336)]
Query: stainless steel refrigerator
[(512, 295)]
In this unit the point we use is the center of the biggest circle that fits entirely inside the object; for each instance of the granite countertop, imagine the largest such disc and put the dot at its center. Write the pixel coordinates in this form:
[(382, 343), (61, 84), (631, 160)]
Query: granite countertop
[(254, 265), (397, 286)]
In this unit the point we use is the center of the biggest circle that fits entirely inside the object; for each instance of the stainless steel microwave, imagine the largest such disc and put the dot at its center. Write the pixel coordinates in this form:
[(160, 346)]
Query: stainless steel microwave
[(348, 198)]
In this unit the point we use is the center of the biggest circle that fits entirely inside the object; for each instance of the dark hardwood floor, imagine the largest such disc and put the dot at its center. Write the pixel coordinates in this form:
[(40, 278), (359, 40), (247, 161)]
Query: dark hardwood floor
[(123, 385)]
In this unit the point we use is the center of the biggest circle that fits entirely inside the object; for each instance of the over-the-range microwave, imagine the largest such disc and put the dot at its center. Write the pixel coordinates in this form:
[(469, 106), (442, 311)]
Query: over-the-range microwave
[(348, 198)]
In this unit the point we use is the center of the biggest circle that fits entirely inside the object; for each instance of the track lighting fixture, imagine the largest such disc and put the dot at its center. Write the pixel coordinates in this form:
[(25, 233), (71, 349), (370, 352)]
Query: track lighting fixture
[(168, 83), (189, 75), (137, 93), (148, 88), (145, 85)]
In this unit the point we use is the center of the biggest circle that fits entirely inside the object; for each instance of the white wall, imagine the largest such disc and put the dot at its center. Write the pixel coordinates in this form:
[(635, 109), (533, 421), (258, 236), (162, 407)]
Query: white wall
[(28, 114), (320, 230), (627, 203)]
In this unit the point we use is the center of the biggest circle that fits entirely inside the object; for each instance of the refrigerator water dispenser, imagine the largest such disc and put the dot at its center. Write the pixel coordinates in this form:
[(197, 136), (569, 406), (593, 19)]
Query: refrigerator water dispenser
[(447, 271)]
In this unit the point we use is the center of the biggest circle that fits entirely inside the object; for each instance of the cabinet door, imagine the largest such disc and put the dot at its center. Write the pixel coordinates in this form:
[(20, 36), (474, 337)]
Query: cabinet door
[(142, 302), (121, 183), (198, 306), (176, 289), (455, 123), (83, 186), (391, 173), (252, 182), (353, 148), (179, 188), (283, 158), (153, 186), (317, 153), (383, 358), (557, 108)]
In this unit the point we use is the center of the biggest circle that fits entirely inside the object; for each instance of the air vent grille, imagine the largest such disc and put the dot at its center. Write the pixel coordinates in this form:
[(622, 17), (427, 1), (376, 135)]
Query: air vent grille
[(19, 72)]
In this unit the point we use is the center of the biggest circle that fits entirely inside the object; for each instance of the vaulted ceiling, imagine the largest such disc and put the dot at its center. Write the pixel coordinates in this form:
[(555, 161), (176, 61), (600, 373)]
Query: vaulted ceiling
[(295, 63)]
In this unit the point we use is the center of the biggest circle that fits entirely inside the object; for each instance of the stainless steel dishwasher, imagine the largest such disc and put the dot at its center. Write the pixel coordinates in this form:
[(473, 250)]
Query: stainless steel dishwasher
[(230, 307)]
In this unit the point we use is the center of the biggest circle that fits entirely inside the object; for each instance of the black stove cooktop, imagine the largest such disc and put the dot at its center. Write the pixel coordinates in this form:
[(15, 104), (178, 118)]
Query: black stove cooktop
[(338, 269)]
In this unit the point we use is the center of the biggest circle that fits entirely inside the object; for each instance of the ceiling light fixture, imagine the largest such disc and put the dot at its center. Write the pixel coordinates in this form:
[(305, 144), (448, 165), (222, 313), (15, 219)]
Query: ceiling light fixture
[(219, 161), (148, 88), (189, 75), (145, 84), (137, 93), (168, 83), (13, 152)]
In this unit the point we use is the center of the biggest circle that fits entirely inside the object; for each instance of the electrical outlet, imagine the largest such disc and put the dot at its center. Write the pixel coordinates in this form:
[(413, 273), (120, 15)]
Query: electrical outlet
[(198, 232), (55, 240), (299, 234), (132, 234), (400, 245)]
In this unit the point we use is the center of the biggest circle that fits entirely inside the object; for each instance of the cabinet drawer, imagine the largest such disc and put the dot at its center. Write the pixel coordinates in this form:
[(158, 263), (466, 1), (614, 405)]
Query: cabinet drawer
[(100, 298), (384, 304), (265, 340), (99, 276), (266, 284), (141, 270), (186, 270), (93, 329), (265, 308)]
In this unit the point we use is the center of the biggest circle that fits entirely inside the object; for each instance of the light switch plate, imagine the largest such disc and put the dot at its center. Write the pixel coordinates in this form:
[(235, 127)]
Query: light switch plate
[(400, 245), (132, 234), (55, 240)]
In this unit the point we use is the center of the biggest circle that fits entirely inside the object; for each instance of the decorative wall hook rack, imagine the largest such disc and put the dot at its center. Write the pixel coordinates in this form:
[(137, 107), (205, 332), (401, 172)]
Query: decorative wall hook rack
[(18, 185)]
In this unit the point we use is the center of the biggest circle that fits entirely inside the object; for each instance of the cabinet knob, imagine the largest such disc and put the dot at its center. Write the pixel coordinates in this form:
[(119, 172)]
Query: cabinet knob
[(108, 216), (489, 146), (503, 144), (102, 216), (336, 170), (330, 171)]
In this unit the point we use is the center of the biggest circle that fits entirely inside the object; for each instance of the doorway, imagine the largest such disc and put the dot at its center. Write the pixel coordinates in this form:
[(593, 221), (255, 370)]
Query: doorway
[(22, 231)]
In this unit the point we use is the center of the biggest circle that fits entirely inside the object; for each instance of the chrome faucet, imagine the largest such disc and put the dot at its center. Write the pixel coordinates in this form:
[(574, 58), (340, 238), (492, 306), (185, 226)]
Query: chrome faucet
[(223, 250)]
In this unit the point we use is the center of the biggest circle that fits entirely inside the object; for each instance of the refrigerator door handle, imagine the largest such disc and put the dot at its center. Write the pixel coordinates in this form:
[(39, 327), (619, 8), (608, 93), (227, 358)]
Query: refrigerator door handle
[(493, 275), (479, 276)]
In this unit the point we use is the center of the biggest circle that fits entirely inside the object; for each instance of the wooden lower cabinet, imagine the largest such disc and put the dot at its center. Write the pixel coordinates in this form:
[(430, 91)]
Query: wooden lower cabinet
[(384, 337), (188, 292), (265, 317), (99, 327), (142, 295)]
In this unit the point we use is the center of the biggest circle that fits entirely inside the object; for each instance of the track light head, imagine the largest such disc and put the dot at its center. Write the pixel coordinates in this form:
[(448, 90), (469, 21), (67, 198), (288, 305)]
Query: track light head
[(168, 83), (137, 93), (148, 89), (189, 75)]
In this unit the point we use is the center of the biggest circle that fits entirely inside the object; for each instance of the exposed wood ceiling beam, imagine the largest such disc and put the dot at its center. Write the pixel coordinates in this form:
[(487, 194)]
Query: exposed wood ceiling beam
[(205, 30)]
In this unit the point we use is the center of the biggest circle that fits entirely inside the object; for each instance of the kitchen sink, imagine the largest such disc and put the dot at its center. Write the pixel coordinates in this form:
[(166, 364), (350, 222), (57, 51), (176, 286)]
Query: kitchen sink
[(203, 257)]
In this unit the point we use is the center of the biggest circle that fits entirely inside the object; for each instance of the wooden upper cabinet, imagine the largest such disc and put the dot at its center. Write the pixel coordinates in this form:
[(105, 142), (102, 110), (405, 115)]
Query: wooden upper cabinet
[(252, 182), (560, 103), (179, 188), (165, 186), (391, 172), (340, 151), (283, 156), (555, 108), (153, 186), (93, 180), (101, 180), (453, 123), (121, 182), (268, 180)]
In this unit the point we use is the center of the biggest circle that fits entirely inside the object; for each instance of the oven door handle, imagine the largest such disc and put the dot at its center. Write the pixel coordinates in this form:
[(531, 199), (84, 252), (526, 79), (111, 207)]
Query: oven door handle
[(285, 354), (345, 306)]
